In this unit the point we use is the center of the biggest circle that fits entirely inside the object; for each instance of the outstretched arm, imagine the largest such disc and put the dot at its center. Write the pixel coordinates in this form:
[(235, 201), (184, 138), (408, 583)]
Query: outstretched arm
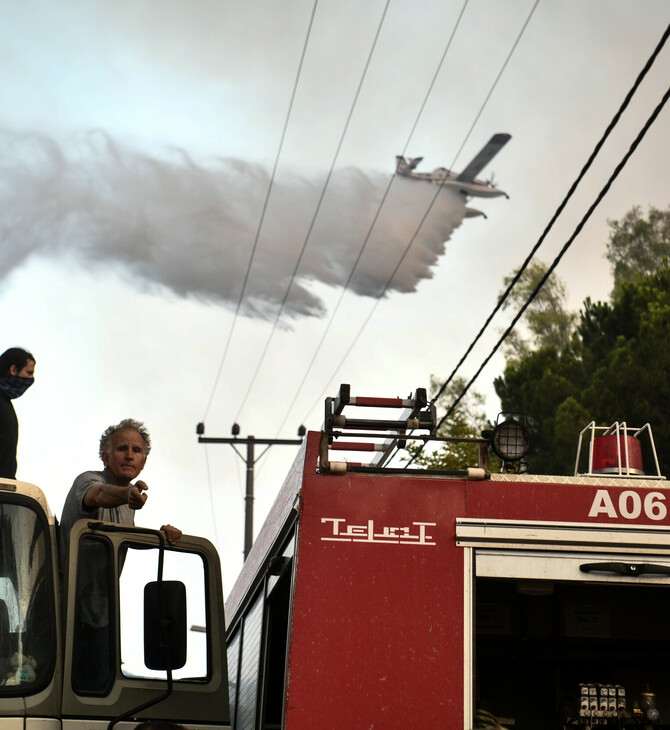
[(111, 495)]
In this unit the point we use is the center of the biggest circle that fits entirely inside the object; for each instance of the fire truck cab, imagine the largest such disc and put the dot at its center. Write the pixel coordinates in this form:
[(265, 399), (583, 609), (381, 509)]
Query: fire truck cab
[(61, 667), (389, 598)]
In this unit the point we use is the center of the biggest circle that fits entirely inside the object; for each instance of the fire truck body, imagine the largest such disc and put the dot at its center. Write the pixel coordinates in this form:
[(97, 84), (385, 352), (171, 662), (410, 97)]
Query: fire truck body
[(372, 598), (390, 600)]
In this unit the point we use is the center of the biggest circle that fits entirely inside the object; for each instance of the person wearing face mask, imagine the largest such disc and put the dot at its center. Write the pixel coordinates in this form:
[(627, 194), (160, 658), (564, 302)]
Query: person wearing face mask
[(17, 374)]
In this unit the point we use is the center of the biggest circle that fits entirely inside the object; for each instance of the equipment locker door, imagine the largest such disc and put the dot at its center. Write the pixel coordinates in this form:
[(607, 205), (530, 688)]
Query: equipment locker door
[(552, 609)]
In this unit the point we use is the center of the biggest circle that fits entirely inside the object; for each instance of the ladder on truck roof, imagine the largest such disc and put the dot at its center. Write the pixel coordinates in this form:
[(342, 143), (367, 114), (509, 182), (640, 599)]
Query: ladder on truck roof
[(381, 435)]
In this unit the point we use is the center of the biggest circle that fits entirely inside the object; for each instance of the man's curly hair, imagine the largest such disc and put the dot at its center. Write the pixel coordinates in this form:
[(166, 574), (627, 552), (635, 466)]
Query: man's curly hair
[(106, 438)]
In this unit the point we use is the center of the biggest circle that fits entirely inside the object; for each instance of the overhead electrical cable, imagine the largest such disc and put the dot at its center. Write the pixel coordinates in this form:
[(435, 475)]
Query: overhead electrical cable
[(560, 208), (316, 213), (425, 216), (372, 224), (265, 206), (255, 244), (556, 261), (211, 498), (495, 83)]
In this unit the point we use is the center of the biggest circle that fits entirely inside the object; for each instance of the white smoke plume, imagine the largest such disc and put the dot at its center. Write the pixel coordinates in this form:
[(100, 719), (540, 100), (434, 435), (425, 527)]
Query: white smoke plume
[(192, 228)]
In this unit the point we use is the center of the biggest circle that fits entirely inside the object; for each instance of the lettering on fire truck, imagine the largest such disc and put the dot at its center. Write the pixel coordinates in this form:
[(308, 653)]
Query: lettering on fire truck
[(416, 534), (629, 505)]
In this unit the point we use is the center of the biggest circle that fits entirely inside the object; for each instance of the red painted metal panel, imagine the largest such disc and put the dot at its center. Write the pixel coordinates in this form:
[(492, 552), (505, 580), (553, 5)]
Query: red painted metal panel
[(355, 446), (597, 502), (377, 630), (377, 637), (381, 402)]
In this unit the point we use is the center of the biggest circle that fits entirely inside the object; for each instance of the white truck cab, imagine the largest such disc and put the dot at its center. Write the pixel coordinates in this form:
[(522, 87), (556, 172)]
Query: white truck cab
[(73, 656)]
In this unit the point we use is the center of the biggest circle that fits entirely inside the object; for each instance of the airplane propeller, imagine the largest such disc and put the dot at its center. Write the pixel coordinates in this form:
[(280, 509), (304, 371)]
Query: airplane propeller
[(492, 183)]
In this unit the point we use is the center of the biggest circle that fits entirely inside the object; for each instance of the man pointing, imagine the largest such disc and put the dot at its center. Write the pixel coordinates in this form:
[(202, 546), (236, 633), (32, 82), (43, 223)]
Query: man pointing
[(110, 495)]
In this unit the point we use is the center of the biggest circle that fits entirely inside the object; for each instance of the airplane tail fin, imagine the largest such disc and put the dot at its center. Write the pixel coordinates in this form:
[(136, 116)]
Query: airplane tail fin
[(403, 166)]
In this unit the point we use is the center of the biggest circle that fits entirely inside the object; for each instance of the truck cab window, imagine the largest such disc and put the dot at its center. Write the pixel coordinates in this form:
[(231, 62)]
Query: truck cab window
[(139, 568), (27, 621), (92, 648)]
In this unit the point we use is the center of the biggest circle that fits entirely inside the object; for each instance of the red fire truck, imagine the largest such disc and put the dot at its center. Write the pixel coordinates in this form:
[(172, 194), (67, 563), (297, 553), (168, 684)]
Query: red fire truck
[(388, 598)]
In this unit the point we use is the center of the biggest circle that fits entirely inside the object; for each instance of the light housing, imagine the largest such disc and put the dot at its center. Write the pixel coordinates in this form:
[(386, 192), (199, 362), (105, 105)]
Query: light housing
[(612, 458), (510, 439)]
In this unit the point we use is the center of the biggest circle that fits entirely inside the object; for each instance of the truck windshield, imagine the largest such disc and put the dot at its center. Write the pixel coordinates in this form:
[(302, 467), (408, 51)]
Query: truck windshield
[(27, 618)]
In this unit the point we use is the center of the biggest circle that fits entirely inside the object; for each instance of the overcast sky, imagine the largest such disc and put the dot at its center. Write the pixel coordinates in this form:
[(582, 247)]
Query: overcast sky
[(137, 141)]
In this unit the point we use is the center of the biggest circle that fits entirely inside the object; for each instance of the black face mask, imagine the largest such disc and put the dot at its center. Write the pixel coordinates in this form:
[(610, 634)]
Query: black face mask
[(14, 386)]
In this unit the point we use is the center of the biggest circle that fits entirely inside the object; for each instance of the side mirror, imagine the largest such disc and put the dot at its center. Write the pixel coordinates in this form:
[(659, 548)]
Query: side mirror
[(165, 625)]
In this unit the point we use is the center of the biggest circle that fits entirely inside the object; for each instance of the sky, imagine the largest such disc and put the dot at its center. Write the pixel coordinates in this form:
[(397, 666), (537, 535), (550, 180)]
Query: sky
[(137, 146)]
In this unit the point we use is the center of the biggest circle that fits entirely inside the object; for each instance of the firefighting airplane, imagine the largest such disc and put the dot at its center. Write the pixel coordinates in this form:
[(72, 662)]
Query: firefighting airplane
[(466, 182)]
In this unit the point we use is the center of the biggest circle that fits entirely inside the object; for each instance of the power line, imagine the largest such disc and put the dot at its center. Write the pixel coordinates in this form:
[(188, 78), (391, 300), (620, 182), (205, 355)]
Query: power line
[(425, 216), (211, 498), (560, 208), (495, 83), (265, 205), (556, 261), (316, 213), (255, 244), (250, 461), (372, 224)]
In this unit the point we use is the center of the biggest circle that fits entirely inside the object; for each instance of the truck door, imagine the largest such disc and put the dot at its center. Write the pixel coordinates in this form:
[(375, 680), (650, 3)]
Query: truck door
[(29, 616), (105, 674), (566, 625)]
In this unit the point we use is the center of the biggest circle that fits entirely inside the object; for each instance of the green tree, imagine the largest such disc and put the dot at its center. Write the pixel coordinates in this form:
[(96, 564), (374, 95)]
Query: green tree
[(634, 373), (544, 386), (638, 245), (548, 324), (616, 369), (547, 321), (610, 362)]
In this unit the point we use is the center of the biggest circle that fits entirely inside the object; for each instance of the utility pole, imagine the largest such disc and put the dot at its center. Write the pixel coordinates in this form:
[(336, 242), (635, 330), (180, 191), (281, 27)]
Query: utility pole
[(250, 460)]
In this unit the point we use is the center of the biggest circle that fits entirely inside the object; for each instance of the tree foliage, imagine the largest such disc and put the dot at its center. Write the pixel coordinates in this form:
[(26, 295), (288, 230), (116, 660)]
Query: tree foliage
[(638, 245), (615, 369), (610, 362), (547, 321)]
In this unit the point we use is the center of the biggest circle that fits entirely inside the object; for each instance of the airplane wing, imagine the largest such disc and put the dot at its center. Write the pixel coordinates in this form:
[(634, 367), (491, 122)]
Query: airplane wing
[(490, 150)]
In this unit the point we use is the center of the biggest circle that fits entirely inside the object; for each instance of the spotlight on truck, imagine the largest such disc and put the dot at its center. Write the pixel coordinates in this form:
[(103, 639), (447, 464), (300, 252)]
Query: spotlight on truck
[(510, 440)]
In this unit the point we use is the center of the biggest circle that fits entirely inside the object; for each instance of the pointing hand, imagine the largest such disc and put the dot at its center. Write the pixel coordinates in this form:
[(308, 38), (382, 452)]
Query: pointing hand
[(136, 495)]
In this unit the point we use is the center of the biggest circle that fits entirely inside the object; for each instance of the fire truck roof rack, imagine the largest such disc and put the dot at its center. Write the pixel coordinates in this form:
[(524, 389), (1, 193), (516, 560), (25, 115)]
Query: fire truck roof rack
[(411, 418), (417, 415), (616, 450)]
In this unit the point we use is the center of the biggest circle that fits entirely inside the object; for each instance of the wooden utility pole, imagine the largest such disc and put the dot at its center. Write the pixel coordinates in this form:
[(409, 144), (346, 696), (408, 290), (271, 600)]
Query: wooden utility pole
[(250, 459)]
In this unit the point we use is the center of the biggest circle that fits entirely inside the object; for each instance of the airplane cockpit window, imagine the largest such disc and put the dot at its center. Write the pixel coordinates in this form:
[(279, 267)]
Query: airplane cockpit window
[(27, 618)]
